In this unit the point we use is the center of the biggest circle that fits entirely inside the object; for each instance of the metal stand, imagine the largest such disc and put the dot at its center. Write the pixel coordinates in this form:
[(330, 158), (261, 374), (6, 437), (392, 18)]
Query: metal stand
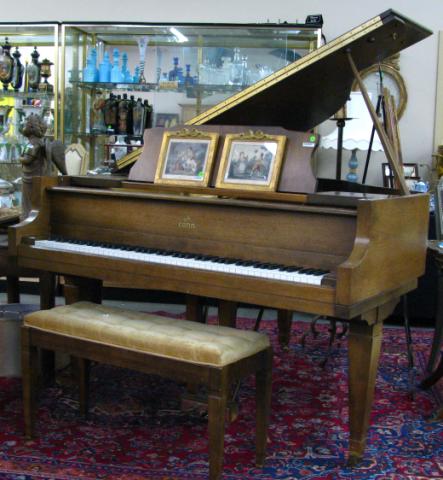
[(341, 122), (371, 140)]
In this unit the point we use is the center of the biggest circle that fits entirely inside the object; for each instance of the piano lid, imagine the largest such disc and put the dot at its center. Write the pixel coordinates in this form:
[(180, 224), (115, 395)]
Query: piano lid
[(310, 90)]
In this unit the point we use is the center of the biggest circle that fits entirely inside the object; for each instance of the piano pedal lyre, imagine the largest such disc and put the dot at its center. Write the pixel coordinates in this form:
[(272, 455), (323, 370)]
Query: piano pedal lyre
[(333, 334)]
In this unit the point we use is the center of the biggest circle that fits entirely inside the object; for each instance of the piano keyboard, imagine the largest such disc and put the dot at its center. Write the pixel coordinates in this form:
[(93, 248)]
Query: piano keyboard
[(187, 260)]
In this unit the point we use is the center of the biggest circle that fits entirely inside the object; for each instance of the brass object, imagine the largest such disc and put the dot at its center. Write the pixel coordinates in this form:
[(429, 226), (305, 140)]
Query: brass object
[(45, 72), (391, 79)]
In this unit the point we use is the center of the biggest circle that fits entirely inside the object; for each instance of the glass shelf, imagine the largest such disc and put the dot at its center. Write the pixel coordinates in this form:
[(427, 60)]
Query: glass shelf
[(105, 134), (108, 86), (159, 87), (26, 95)]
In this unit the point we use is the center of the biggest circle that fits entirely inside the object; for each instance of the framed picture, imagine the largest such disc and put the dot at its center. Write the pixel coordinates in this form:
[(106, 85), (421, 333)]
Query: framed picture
[(410, 171), (439, 209), (186, 157), (166, 120), (251, 161)]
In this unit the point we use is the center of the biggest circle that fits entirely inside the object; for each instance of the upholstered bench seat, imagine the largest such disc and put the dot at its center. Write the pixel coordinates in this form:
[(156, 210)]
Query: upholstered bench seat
[(186, 351), (145, 332)]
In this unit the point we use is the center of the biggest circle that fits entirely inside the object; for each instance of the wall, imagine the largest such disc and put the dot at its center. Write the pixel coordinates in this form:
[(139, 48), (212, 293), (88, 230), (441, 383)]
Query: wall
[(418, 63)]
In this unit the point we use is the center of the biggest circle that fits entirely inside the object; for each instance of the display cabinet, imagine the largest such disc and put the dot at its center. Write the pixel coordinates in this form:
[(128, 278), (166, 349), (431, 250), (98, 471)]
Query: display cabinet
[(28, 84), (118, 79)]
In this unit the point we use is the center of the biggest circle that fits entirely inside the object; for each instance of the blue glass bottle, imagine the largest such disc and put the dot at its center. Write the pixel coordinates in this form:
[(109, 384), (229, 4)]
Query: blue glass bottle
[(136, 77), (90, 72), (126, 77), (188, 79), (115, 70), (176, 74), (105, 69)]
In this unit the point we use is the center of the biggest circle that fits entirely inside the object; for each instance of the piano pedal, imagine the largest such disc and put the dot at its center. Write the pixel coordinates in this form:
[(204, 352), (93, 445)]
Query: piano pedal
[(312, 331), (334, 335)]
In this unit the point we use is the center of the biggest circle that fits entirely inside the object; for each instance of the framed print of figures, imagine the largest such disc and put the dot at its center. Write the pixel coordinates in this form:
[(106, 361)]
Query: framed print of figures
[(251, 161), (186, 157)]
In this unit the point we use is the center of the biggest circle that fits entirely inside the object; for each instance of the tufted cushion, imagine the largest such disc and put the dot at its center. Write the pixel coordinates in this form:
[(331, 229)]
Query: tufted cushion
[(168, 337)]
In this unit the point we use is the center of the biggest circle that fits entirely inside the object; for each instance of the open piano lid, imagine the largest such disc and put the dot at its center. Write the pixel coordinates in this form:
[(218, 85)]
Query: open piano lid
[(306, 92)]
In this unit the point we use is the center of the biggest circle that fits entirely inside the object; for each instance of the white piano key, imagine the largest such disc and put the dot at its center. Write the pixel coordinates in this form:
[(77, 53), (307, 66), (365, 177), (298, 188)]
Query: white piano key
[(162, 259)]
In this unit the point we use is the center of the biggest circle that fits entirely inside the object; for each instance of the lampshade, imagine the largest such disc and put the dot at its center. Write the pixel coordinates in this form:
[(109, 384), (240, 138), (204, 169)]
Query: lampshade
[(356, 132)]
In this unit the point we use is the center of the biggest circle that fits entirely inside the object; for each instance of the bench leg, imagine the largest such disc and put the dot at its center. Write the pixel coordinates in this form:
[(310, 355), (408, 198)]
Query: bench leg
[(263, 381), (29, 381), (217, 402)]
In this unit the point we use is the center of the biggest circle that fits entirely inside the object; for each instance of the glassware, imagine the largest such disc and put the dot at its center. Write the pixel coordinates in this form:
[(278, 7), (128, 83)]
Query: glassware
[(33, 71), (48, 118), (237, 68), (125, 75), (115, 71), (110, 113), (138, 115), (188, 79), (90, 72), (104, 71), (17, 71), (97, 115), (123, 112), (142, 44)]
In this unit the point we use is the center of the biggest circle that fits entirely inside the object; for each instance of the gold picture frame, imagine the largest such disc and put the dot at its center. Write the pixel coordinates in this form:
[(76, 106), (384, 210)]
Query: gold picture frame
[(186, 157), (251, 161)]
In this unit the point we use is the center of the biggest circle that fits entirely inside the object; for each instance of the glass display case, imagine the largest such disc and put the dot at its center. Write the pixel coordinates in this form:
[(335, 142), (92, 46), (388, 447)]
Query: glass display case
[(119, 79), (29, 85)]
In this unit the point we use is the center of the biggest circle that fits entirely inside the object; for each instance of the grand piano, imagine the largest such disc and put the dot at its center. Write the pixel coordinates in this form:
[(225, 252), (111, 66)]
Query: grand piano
[(345, 255)]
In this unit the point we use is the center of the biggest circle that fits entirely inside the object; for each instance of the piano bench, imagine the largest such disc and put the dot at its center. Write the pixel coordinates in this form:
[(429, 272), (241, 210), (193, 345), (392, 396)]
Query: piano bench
[(186, 351)]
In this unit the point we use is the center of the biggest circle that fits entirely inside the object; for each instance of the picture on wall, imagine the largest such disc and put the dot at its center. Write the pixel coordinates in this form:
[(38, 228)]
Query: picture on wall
[(166, 120)]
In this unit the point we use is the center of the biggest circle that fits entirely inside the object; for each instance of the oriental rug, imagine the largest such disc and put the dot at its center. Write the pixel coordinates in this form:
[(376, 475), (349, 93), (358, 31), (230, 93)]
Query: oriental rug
[(136, 429)]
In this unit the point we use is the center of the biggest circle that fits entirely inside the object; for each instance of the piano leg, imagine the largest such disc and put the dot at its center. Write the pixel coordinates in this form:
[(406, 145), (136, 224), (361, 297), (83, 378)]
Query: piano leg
[(227, 313), (284, 320), (364, 351), (47, 301), (80, 288), (195, 308)]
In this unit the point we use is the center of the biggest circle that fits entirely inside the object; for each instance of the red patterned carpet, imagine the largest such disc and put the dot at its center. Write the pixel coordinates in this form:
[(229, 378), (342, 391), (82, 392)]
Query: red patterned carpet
[(136, 430)]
